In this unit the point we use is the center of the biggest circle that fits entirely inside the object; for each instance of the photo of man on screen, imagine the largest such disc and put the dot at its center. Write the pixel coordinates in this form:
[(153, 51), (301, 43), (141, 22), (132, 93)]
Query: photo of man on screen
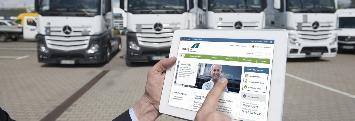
[(216, 75)]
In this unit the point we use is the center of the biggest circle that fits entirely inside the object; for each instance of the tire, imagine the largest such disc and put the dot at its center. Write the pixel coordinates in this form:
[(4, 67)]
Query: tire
[(108, 54), (14, 38)]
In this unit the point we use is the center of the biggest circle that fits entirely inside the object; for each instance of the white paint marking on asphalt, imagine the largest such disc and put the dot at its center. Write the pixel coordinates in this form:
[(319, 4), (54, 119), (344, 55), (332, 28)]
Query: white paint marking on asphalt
[(22, 57), (321, 86), (24, 49), (9, 57)]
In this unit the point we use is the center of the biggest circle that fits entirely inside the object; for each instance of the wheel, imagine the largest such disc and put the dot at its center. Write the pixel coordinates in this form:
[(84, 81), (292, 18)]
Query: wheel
[(14, 38), (108, 54)]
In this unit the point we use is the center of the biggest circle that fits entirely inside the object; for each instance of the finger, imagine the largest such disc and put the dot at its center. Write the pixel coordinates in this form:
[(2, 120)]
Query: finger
[(164, 64), (211, 101)]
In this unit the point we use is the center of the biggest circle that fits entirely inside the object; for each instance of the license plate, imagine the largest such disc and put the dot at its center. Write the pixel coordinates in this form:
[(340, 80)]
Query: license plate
[(315, 54), (348, 47), (158, 57), (67, 62)]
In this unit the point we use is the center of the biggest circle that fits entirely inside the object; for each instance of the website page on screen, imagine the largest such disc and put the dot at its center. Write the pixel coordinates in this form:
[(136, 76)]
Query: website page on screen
[(245, 63)]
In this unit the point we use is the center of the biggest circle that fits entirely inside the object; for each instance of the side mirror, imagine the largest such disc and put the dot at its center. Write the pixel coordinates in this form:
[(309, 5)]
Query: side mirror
[(277, 4)]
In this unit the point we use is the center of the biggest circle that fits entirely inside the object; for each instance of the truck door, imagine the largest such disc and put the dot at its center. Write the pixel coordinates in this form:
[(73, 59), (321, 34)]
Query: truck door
[(30, 28)]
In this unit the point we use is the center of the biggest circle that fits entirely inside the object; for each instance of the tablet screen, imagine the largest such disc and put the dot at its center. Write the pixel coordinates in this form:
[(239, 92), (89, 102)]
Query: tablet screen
[(245, 63)]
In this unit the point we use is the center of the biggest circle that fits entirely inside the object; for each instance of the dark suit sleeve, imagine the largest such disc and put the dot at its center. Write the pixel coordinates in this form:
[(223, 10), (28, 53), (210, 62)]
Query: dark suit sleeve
[(123, 117), (4, 116)]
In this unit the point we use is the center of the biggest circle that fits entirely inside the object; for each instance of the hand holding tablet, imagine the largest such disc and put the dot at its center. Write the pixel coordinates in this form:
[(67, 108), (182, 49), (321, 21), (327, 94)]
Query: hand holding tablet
[(252, 61)]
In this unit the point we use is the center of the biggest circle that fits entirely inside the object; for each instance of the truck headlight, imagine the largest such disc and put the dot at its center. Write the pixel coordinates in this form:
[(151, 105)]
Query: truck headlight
[(133, 46), (43, 48), (93, 49)]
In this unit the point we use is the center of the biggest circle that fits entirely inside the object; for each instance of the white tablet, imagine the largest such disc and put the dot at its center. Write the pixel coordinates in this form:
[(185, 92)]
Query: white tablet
[(253, 61)]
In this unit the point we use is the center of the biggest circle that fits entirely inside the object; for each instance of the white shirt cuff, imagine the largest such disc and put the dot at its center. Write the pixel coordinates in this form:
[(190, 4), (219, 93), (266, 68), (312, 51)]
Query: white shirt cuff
[(132, 114)]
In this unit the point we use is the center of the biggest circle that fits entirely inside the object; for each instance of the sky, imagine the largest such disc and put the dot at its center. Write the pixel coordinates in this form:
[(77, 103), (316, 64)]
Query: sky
[(16, 3)]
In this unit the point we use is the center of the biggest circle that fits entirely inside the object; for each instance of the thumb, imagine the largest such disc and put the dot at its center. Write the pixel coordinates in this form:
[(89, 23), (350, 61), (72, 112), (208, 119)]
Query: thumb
[(211, 101)]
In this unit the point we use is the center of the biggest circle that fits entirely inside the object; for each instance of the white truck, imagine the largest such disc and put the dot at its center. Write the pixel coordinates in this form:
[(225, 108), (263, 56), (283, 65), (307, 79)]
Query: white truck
[(75, 31), (235, 14), (346, 31), (151, 24), (311, 25)]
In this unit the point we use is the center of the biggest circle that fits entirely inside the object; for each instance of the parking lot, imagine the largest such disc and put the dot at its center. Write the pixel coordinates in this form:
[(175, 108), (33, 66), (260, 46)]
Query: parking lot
[(315, 90)]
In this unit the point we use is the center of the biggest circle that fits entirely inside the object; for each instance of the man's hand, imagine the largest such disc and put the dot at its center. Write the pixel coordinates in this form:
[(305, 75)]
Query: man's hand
[(147, 108), (208, 111)]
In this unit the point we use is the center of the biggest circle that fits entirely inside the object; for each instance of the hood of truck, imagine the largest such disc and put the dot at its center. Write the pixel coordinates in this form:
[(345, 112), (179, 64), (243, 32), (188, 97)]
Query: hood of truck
[(146, 22), (56, 25), (229, 20), (306, 20)]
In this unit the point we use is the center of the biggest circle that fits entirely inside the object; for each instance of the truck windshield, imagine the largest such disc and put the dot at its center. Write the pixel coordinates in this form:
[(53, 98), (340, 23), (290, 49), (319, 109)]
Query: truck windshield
[(232, 6), (157, 6), (346, 22), (311, 6), (69, 7)]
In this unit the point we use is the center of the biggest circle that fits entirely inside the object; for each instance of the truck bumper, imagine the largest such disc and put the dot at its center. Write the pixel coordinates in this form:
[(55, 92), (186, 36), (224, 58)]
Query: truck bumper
[(346, 42), (70, 57), (138, 53), (304, 48), (81, 56)]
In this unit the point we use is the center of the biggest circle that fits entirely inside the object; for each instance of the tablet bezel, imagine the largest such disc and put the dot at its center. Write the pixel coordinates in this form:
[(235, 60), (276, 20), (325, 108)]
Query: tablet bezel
[(278, 69)]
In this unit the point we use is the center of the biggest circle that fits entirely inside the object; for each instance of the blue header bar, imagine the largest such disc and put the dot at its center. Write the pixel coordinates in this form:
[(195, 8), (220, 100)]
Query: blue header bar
[(256, 70), (228, 40)]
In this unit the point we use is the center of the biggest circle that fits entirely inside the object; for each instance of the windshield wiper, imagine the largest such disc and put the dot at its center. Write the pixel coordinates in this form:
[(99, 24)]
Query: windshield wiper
[(228, 10), (252, 10), (326, 10), (84, 12), (302, 10)]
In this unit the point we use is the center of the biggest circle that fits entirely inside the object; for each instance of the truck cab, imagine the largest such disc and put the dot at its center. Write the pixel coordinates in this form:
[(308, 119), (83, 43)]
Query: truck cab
[(235, 14), (74, 31), (346, 31), (311, 25), (151, 24)]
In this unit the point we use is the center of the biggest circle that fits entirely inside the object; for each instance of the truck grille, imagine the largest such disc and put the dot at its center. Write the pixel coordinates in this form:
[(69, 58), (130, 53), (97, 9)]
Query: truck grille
[(67, 43), (231, 25), (147, 36), (76, 30), (314, 49), (346, 39), (323, 32)]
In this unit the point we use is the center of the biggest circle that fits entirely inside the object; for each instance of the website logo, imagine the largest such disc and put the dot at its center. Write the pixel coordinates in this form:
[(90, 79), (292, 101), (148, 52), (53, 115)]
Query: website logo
[(196, 45)]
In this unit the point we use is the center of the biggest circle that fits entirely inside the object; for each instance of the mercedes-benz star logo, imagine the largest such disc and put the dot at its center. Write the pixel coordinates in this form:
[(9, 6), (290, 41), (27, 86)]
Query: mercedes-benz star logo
[(315, 25), (158, 26), (67, 29), (238, 25)]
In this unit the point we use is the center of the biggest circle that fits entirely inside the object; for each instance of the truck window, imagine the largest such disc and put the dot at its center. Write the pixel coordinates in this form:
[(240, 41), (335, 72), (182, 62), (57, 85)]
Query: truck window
[(122, 4), (157, 6), (191, 4), (282, 3), (200, 4), (31, 22), (108, 6)]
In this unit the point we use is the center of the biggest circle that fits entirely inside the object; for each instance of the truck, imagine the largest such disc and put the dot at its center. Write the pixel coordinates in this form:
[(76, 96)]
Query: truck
[(74, 31), (9, 30), (151, 23), (311, 25), (346, 29), (235, 14)]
